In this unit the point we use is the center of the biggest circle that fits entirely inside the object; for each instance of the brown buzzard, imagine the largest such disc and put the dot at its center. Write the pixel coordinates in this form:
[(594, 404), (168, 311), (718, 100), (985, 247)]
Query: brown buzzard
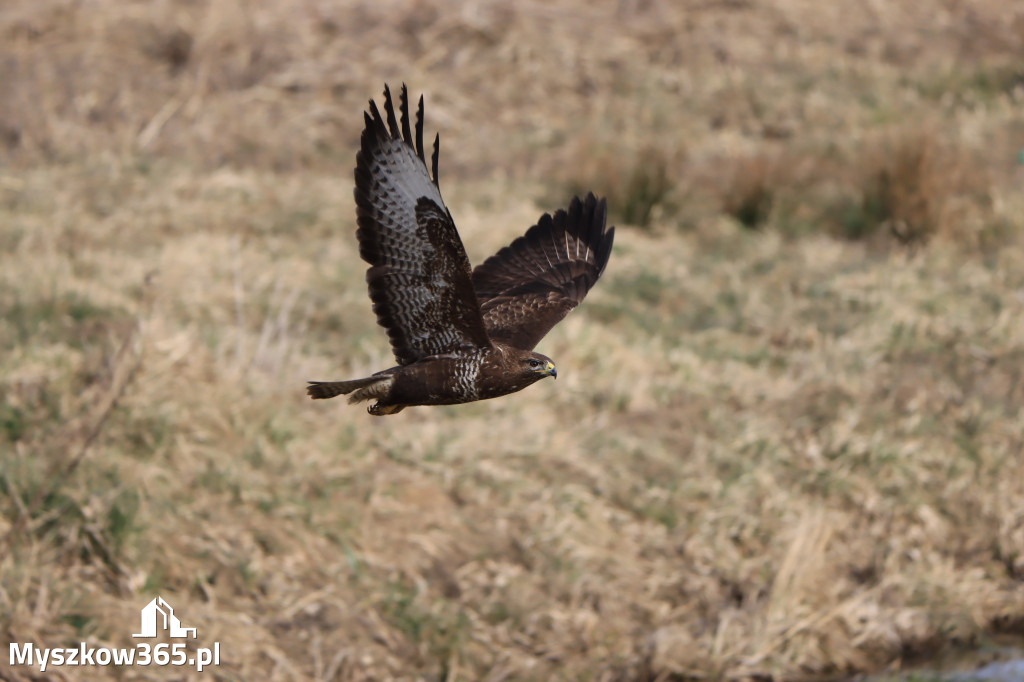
[(458, 334)]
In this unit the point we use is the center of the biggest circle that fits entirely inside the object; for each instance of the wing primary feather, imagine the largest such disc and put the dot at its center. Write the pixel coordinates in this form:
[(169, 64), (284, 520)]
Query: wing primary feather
[(590, 231), (437, 153), (570, 220), (597, 227), (606, 250), (376, 123), (534, 238), (588, 218), (389, 109), (598, 217), (419, 131), (404, 104)]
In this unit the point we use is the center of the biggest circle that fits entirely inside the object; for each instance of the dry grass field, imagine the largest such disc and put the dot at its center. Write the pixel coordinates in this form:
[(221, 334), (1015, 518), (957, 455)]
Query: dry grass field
[(786, 438)]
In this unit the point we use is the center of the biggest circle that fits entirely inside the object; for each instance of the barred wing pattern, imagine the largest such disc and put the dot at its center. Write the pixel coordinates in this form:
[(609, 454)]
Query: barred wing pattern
[(420, 279), (530, 285)]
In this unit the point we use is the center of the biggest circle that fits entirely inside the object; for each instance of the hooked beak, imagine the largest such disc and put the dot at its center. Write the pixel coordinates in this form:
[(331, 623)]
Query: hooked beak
[(551, 371)]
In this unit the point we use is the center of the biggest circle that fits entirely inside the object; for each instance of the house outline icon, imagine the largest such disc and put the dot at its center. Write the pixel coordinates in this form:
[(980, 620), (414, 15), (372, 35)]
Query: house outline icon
[(150, 620)]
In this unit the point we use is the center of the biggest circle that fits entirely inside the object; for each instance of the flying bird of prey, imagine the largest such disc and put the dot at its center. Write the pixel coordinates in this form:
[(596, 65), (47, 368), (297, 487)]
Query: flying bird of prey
[(458, 334)]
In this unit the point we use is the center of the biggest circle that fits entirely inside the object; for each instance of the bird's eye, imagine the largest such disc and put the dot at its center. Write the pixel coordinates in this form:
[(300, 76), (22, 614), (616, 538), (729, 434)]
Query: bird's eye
[(534, 363)]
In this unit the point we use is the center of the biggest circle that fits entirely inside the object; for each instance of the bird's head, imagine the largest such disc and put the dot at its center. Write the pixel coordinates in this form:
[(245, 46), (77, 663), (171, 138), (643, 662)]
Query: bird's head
[(537, 366)]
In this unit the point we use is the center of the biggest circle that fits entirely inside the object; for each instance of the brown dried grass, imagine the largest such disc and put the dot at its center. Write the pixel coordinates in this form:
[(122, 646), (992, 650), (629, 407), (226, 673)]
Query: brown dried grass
[(772, 455)]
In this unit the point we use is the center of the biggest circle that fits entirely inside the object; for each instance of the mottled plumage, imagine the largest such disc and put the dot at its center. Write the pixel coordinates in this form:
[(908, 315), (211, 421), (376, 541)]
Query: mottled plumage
[(458, 334)]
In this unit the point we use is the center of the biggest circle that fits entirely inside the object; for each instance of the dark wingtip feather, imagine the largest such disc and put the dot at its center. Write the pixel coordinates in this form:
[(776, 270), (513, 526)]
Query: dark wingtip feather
[(604, 235), (375, 123), (419, 130), (605, 251), (437, 153), (389, 109), (597, 234), (404, 105)]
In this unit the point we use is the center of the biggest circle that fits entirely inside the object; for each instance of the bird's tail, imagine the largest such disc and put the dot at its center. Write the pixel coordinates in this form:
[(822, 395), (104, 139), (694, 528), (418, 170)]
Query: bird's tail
[(375, 386)]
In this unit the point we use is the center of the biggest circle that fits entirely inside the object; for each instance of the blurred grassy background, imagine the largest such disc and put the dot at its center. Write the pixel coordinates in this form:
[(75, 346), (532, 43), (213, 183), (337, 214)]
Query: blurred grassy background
[(787, 436)]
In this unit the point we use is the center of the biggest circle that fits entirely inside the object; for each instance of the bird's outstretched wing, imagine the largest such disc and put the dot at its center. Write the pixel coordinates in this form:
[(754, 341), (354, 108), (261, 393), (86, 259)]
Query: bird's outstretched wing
[(531, 284), (419, 278)]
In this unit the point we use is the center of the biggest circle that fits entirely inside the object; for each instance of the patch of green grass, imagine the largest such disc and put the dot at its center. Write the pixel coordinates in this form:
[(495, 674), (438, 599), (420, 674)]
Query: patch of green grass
[(143, 435), (69, 317), (122, 519), (399, 607), (13, 422), (499, 612), (255, 456), (663, 512), (28, 482), (860, 218), (826, 484), (647, 187), (278, 433), (156, 579), (985, 82), (216, 479), (443, 628), (635, 303), (79, 621), (247, 572)]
